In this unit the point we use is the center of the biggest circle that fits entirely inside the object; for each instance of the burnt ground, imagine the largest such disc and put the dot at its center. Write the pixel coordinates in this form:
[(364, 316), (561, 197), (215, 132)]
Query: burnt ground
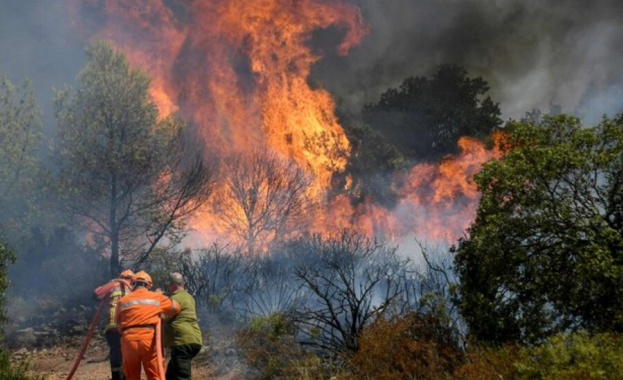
[(51, 342)]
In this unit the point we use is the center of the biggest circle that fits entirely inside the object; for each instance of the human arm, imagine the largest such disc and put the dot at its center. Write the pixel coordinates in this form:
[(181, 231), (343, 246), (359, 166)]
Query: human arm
[(104, 290), (169, 307)]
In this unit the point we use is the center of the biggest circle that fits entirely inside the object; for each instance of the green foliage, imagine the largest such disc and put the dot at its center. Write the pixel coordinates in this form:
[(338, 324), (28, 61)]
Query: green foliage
[(545, 252), (20, 137), (425, 117), (268, 345), (412, 346), (121, 171), (15, 371), (575, 356), (8, 370)]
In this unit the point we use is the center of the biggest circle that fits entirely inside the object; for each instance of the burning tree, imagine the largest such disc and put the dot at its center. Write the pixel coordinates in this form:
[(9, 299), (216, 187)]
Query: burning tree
[(7, 257), (265, 198), (123, 171), (545, 253)]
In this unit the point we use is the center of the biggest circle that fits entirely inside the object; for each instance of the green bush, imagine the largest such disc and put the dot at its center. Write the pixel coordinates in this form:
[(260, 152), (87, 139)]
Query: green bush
[(268, 345), (8, 370), (15, 371), (575, 356)]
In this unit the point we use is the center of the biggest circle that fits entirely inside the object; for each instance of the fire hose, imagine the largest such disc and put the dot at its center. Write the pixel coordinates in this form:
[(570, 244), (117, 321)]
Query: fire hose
[(159, 350), (88, 338)]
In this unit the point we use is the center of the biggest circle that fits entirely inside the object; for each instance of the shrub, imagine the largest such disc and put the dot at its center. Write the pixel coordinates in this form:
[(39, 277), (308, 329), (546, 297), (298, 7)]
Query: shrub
[(575, 356), (8, 370), (410, 346), (268, 346), (484, 363), (15, 371)]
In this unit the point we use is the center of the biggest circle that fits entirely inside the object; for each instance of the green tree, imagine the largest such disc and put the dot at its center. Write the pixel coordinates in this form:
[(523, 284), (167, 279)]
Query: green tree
[(20, 138), (123, 171), (6, 258), (545, 252), (426, 117), (9, 369)]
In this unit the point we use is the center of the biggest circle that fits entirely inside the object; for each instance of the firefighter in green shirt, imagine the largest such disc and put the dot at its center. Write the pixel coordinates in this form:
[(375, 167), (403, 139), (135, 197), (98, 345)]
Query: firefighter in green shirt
[(182, 333)]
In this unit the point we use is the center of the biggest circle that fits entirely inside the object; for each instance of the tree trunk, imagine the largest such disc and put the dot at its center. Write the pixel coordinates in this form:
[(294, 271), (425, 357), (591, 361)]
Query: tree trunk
[(114, 255)]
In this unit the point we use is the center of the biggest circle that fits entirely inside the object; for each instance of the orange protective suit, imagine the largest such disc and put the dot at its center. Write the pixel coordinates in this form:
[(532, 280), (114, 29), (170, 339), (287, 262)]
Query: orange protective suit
[(137, 316)]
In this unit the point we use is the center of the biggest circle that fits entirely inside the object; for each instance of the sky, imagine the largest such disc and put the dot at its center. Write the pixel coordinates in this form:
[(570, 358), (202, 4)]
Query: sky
[(533, 53)]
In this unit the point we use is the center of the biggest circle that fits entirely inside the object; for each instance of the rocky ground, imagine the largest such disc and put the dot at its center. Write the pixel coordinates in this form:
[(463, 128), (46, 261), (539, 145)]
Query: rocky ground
[(52, 344)]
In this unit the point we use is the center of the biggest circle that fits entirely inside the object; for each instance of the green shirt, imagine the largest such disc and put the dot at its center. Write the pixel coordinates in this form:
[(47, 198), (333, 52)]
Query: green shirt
[(183, 328)]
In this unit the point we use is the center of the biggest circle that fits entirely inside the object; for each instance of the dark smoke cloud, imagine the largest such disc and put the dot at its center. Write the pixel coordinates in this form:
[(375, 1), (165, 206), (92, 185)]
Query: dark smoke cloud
[(533, 53)]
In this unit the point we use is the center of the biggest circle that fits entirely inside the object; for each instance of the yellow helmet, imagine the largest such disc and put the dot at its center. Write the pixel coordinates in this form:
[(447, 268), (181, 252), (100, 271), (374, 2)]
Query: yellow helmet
[(127, 274), (143, 277)]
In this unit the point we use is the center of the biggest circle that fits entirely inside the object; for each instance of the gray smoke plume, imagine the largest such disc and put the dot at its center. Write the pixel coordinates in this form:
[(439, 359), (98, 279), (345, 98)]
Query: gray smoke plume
[(36, 42), (533, 53)]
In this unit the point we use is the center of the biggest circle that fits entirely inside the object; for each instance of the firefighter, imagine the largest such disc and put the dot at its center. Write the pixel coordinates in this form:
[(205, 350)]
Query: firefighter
[(138, 315), (182, 333), (114, 290)]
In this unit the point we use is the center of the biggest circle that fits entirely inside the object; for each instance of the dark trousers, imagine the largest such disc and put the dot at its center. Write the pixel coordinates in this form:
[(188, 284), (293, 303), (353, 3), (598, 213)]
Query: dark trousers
[(113, 338), (179, 365)]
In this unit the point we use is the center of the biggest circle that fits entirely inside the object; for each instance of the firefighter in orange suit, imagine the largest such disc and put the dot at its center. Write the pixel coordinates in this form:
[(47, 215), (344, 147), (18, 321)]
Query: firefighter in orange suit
[(114, 290), (137, 315)]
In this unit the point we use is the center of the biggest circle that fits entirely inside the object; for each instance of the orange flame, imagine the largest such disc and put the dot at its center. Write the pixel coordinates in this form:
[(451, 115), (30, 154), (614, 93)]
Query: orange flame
[(238, 71), (435, 201), (440, 200)]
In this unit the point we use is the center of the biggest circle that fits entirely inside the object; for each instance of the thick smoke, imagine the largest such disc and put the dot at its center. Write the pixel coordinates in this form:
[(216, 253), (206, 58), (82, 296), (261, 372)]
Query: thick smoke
[(533, 53), (36, 42)]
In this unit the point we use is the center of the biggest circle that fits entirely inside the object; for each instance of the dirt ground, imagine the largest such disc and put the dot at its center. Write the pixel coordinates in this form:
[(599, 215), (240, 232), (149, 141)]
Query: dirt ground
[(51, 339), (55, 363)]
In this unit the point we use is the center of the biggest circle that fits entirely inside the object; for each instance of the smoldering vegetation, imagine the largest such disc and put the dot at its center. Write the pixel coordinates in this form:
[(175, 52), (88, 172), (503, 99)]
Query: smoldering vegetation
[(331, 287)]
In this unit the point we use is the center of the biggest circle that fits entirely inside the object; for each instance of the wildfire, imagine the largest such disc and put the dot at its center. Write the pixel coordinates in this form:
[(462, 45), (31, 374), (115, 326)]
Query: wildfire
[(238, 71), (439, 201)]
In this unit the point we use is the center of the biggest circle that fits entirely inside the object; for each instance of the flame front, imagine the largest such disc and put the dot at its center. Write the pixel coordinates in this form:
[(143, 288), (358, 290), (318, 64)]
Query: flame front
[(274, 33), (238, 72), (436, 202)]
